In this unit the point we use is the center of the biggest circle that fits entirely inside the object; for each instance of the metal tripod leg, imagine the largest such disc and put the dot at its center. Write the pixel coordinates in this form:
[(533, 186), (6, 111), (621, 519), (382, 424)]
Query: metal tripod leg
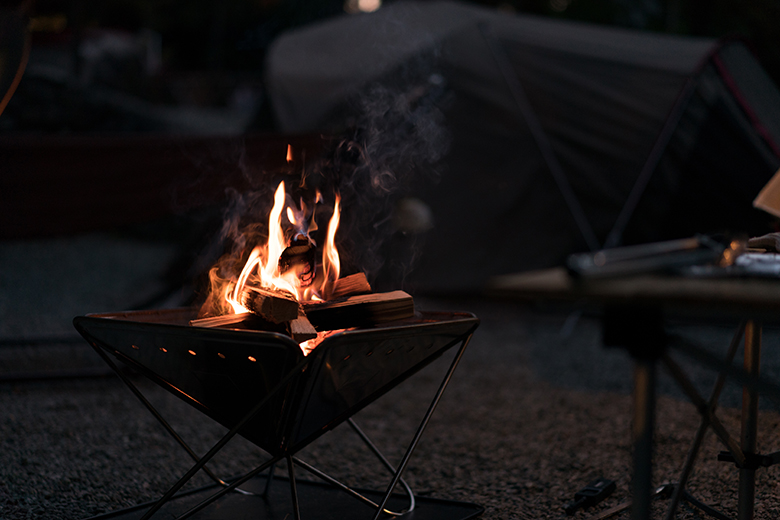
[(423, 424), (223, 441), (747, 475), (353, 493), (693, 452), (642, 434), (293, 488), (157, 415), (230, 487), (397, 473)]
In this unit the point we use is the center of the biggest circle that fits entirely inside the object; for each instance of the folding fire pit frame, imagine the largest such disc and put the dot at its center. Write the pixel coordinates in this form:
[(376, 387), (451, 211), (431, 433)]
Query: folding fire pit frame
[(260, 385)]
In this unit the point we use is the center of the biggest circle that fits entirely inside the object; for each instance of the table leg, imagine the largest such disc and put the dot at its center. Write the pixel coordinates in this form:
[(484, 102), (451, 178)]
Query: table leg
[(747, 476), (642, 433)]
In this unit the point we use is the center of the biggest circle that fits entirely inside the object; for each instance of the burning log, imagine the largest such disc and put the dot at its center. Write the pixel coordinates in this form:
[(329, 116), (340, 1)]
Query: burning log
[(301, 328), (221, 321), (270, 304), (361, 310), (351, 285), (300, 256)]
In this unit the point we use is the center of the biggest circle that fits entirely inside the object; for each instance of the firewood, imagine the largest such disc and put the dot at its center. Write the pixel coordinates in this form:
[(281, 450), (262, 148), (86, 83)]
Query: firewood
[(361, 310), (299, 255), (221, 321), (272, 305), (350, 285), (301, 328)]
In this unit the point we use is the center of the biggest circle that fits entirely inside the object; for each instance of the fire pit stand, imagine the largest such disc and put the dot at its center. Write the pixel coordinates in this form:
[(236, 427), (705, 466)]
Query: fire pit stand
[(260, 385)]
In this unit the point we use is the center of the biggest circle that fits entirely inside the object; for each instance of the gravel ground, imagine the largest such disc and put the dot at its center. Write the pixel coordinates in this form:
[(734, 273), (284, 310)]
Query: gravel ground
[(530, 417)]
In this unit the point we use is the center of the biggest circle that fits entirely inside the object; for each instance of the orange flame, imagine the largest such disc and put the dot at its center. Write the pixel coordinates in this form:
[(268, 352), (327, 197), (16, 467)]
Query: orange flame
[(331, 263), (289, 153), (262, 266)]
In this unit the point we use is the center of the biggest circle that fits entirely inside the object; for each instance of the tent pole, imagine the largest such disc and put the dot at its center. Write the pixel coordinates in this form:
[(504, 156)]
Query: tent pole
[(542, 141), (615, 236)]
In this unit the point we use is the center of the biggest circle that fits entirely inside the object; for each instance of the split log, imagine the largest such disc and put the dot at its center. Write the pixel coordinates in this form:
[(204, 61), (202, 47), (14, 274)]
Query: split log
[(272, 305), (241, 321), (350, 285), (359, 311), (301, 328), (221, 321)]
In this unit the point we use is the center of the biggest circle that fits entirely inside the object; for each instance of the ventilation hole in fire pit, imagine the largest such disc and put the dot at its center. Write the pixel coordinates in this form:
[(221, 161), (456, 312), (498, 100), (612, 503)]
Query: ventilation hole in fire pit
[(163, 349), (252, 359), (135, 347), (389, 352), (220, 354), (346, 358), (192, 352), (369, 353)]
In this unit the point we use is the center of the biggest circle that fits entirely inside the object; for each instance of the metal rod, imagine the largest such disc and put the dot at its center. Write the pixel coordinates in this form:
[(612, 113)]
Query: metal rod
[(222, 442), (384, 461), (539, 135), (227, 489), (642, 433), (759, 384), (708, 510), (423, 424), (340, 485), (704, 409), (693, 452), (293, 488), (747, 476), (154, 412), (270, 479), (615, 235)]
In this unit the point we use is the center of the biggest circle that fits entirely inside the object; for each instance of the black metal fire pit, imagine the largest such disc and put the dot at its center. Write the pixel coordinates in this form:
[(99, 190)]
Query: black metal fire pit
[(260, 385)]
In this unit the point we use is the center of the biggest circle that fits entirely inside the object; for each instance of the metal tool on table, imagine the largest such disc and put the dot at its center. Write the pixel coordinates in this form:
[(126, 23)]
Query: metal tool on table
[(645, 258)]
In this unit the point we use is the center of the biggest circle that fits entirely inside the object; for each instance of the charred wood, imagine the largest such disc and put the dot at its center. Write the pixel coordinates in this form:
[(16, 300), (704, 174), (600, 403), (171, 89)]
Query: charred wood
[(300, 256)]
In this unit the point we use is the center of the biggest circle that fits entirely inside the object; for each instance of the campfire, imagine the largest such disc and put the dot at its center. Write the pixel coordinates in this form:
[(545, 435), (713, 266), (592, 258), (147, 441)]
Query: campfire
[(283, 350), (289, 284)]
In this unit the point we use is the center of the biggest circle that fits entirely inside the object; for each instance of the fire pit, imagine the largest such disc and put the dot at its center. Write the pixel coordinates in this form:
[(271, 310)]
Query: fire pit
[(260, 385), (284, 348)]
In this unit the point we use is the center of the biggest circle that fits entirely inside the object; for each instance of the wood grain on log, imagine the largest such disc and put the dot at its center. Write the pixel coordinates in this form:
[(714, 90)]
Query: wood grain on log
[(301, 328), (351, 285), (221, 321), (361, 310), (272, 305)]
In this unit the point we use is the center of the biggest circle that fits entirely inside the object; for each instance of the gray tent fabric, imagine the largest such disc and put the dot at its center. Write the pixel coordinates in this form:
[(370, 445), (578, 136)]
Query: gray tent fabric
[(559, 132)]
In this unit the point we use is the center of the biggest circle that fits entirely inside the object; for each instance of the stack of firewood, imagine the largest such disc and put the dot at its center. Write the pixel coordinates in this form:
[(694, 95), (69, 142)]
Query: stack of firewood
[(351, 304)]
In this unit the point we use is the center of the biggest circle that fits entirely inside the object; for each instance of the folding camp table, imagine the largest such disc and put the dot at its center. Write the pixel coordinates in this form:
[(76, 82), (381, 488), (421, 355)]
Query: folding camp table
[(260, 385), (634, 309)]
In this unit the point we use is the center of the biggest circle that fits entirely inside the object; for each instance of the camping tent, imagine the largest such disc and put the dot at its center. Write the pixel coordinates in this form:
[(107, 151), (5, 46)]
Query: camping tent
[(563, 136)]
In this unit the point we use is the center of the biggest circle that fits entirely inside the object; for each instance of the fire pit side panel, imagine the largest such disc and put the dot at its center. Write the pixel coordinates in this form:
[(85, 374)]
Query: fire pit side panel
[(222, 373), (355, 368)]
